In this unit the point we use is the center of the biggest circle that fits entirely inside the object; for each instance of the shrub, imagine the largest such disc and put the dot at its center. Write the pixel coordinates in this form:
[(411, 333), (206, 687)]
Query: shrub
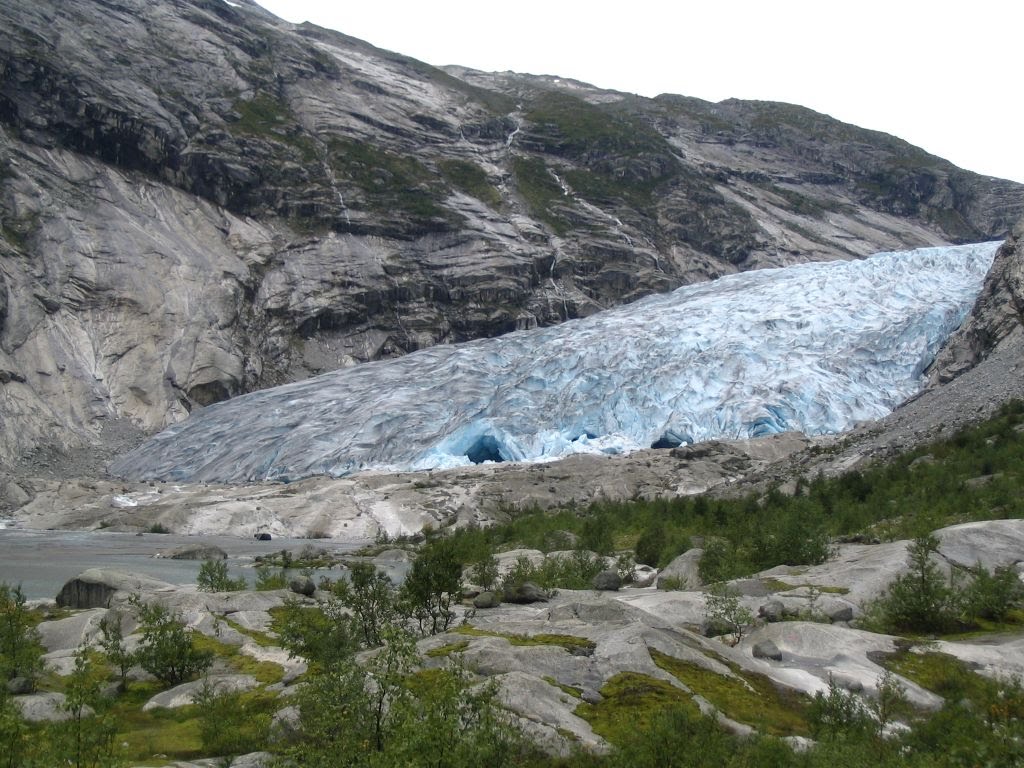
[(371, 597), (723, 609), (837, 713), (166, 650), (991, 595), (21, 651), (111, 641), (268, 579), (213, 577), (920, 600), (434, 580), (485, 571)]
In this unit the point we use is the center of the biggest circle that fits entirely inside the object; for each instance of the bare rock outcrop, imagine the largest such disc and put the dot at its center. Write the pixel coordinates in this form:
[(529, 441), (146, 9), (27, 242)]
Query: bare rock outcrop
[(997, 315)]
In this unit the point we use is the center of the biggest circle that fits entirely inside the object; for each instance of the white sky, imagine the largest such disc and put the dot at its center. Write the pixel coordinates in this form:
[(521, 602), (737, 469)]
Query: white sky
[(943, 76)]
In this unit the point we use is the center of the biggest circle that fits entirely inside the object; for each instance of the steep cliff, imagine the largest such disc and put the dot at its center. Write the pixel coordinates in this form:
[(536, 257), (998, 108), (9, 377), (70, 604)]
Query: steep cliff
[(997, 318), (198, 200)]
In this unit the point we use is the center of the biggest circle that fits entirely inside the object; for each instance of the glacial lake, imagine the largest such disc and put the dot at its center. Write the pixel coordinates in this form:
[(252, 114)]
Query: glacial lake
[(42, 561)]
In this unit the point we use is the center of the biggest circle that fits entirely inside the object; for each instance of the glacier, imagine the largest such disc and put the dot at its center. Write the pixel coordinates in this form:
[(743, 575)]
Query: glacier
[(814, 348)]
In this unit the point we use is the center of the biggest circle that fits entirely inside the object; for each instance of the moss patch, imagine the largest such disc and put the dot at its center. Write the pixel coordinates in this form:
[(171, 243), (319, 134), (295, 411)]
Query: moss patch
[(631, 701), (390, 182), (472, 179), (448, 649), (265, 672), (940, 673), (569, 642), (540, 191), (576, 693), (748, 698)]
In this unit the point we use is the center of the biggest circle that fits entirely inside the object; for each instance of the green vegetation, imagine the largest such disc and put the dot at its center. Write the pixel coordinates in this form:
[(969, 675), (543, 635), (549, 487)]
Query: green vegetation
[(470, 178), (20, 648), (391, 184), (922, 600), (266, 117), (631, 702), (167, 650), (572, 127), (541, 192), (571, 643), (745, 697), (213, 577), (914, 494)]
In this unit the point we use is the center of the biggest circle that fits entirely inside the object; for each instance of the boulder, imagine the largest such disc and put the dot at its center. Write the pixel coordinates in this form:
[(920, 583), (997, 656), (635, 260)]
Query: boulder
[(772, 611), (19, 686), (194, 552), (644, 575), (840, 612), (45, 707), (186, 693), (486, 600), (683, 572), (524, 594), (302, 585), (68, 634), (607, 581), (766, 649), (285, 725), (96, 587)]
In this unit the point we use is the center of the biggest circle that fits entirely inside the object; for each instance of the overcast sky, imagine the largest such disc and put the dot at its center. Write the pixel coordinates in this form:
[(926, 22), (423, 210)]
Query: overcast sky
[(946, 77)]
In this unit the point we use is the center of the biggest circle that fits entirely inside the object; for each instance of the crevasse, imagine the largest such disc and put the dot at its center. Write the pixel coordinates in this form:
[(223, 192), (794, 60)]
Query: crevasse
[(814, 348)]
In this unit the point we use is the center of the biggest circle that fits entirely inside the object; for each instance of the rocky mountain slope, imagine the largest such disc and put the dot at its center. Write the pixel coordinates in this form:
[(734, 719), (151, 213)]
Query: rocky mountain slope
[(198, 199)]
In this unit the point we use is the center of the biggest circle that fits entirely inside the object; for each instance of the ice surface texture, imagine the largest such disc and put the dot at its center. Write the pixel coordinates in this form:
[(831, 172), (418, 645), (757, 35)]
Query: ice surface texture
[(813, 347)]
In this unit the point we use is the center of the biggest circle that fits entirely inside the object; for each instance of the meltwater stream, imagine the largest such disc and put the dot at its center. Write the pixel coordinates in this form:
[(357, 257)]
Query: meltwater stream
[(814, 348)]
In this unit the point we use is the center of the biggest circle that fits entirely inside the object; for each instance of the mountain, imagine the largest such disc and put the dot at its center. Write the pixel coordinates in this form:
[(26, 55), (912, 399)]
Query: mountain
[(199, 200)]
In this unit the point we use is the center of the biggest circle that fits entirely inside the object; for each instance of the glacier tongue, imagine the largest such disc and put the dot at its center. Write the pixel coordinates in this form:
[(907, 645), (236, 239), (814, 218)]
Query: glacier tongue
[(814, 348)]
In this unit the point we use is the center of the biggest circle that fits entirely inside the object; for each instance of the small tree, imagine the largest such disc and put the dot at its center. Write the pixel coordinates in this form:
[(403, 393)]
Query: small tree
[(991, 595), (485, 571), (891, 703), (370, 595), (837, 713), (228, 726), (213, 577), (724, 610), (919, 600), (21, 651), (325, 635), (112, 643), (434, 580), (166, 650), (87, 737), (14, 731)]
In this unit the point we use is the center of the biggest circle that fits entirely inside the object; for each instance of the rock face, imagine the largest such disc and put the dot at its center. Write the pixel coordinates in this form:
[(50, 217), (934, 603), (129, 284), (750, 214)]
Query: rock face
[(199, 200), (997, 314)]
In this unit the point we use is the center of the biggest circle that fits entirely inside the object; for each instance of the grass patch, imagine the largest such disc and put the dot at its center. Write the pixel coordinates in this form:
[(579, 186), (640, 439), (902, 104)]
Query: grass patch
[(265, 672), (261, 639), (391, 183), (749, 698), (268, 118), (472, 179), (568, 642), (448, 649), (631, 701), (941, 674), (540, 191), (170, 732), (576, 693)]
